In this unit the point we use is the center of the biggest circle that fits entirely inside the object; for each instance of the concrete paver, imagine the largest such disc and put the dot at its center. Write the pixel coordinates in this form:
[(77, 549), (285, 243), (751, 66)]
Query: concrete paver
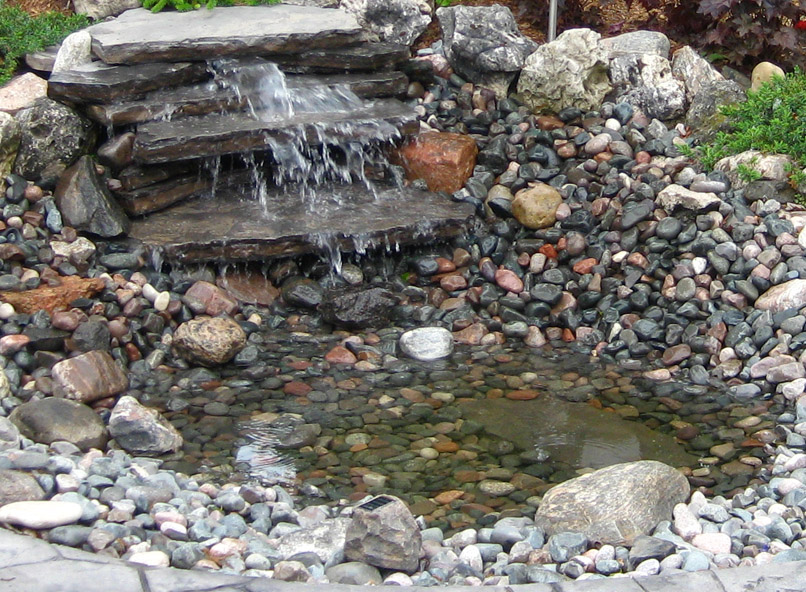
[(31, 565)]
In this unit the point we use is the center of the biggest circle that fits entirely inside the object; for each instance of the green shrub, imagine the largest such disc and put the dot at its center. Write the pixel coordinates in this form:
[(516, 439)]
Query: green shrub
[(21, 33), (185, 5), (772, 120)]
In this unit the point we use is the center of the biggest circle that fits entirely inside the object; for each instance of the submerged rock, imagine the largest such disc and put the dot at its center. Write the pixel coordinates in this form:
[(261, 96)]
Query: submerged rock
[(427, 343), (209, 341), (357, 307), (615, 504), (52, 419)]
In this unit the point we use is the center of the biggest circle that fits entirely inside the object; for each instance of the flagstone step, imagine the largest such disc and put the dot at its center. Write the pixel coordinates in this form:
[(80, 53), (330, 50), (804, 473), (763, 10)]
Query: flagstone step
[(215, 135), (139, 35), (233, 226), (97, 82), (206, 98)]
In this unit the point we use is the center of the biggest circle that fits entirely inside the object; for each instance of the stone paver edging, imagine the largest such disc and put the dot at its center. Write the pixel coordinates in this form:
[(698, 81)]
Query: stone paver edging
[(33, 565)]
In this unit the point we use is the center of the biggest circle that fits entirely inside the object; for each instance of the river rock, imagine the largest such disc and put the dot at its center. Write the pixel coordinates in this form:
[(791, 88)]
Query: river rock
[(53, 137), (357, 307), (569, 71), (40, 514), (19, 486), (673, 197), (206, 298), (53, 298), (75, 50), (209, 341), (791, 294), (9, 434), (536, 207), (100, 9), (615, 504), (484, 44), (427, 343), (9, 143), (385, 535), (772, 167), (85, 202), (393, 21), (354, 573), (89, 377), (646, 82), (141, 430), (443, 160), (54, 419)]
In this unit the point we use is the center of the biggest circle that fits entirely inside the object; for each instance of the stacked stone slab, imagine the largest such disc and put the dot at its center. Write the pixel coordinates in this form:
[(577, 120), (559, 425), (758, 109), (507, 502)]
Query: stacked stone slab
[(153, 79)]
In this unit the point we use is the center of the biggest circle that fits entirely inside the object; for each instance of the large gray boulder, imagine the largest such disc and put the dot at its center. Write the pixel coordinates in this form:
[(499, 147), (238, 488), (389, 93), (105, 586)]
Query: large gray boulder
[(703, 117), (571, 71), (54, 419), (694, 70), (615, 504), (141, 430), (52, 137), (326, 540), (383, 533), (484, 45), (393, 21), (86, 203), (637, 43), (646, 82)]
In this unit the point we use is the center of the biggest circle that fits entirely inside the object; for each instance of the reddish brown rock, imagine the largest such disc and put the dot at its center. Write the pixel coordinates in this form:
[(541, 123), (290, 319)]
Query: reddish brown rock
[(585, 266), (205, 298), (340, 355), (522, 395), (443, 160), (508, 281), (252, 288), (89, 377), (53, 298), (471, 335)]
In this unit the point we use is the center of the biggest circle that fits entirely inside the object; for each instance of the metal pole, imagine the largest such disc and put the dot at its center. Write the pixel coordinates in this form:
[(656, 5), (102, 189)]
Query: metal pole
[(552, 20)]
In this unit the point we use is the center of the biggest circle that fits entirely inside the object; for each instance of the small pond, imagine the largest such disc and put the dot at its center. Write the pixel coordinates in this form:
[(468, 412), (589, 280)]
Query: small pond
[(462, 440)]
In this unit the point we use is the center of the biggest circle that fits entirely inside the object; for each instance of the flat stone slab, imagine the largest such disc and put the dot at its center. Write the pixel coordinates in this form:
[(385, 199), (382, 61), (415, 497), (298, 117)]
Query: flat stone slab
[(97, 82), (214, 135), (358, 58), (139, 35), (233, 226), (206, 98)]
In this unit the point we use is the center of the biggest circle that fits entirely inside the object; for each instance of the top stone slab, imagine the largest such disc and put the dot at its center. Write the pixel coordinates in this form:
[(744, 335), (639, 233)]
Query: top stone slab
[(139, 36)]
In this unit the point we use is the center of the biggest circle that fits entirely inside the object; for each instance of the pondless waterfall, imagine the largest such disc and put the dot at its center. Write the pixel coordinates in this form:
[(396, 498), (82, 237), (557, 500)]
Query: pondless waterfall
[(283, 127)]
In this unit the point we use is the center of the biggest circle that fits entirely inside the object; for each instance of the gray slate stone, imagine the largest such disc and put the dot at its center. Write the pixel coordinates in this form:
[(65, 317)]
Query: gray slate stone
[(142, 36), (100, 9), (484, 45), (141, 430), (637, 43), (615, 504)]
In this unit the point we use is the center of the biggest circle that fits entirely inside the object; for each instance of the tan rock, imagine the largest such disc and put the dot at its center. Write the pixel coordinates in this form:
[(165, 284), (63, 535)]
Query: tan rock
[(209, 341), (615, 504), (53, 298), (443, 160), (21, 92), (536, 207), (9, 143), (764, 72), (249, 287)]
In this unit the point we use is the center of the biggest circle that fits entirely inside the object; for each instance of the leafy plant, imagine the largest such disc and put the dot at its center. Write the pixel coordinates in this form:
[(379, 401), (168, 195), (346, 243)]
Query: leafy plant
[(443, 2), (772, 120), (21, 33), (747, 173), (186, 5)]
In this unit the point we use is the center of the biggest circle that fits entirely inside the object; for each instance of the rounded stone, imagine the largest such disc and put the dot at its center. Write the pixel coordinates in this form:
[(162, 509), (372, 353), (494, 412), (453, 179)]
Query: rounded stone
[(54, 419), (209, 341), (427, 343), (536, 207)]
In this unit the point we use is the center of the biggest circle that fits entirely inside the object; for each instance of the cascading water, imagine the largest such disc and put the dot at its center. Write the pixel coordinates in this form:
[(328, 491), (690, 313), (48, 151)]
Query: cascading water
[(299, 160)]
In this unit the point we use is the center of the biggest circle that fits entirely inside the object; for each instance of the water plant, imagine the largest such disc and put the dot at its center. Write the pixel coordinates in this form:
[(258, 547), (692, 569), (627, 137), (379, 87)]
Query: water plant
[(21, 33)]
